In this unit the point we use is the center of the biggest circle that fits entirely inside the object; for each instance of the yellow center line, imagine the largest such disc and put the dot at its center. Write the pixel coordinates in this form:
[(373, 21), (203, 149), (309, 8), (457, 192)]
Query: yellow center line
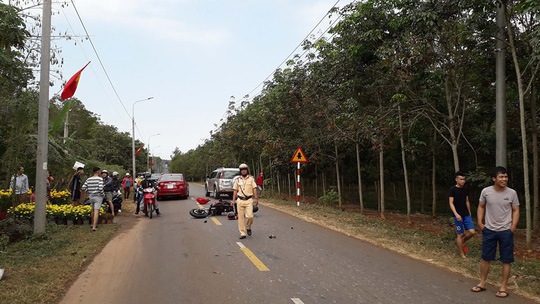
[(252, 257), (215, 220), (200, 206)]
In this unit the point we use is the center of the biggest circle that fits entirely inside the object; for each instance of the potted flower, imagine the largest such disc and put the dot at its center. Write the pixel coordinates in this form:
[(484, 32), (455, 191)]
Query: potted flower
[(103, 218), (6, 201), (86, 214), (110, 218)]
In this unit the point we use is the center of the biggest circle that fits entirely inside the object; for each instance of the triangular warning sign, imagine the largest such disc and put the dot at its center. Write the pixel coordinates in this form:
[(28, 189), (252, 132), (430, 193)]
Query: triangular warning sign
[(299, 156)]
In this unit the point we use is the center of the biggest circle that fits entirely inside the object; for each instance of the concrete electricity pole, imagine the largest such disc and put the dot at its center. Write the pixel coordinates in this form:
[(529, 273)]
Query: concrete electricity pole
[(43, 122)]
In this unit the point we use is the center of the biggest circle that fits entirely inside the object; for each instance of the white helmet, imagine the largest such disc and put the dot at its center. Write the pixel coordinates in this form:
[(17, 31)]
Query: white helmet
[(115, 173)]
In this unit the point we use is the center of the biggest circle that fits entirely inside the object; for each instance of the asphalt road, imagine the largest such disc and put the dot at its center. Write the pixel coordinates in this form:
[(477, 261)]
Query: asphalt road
[(177, 259)]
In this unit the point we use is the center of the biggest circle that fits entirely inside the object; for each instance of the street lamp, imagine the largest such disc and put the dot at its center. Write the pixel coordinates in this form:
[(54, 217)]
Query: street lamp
[(148, 154), (153, 149), (134, 173)]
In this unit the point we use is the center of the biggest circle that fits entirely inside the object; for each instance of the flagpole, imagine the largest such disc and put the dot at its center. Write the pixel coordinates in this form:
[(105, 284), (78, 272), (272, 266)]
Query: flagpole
[(43, 122)]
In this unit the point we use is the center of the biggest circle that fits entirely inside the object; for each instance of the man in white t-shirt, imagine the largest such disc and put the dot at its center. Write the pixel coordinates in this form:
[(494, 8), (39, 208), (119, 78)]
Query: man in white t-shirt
[(499, 206)]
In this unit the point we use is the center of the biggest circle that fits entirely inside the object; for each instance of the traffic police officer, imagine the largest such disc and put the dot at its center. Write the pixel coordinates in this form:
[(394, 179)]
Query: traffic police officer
[(244, 195)]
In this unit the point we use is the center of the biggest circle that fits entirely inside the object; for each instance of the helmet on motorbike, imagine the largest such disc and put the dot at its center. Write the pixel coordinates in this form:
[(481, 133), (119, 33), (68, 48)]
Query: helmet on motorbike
[(232, 216), (243, 166)]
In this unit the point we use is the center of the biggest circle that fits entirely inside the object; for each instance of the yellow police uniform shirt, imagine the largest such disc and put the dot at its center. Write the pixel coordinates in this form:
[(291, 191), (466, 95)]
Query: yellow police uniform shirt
[(245, 186)]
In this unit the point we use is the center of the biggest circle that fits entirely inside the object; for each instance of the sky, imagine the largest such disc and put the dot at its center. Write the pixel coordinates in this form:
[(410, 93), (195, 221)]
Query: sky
[(191, 56)]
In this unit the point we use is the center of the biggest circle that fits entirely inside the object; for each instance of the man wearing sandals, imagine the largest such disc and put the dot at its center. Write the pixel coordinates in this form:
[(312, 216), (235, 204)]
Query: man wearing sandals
[(499, 205)]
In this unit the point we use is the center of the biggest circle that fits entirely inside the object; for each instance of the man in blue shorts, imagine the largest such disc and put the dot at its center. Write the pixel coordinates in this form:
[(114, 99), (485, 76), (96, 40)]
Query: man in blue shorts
[(500, 207), (458, 197)]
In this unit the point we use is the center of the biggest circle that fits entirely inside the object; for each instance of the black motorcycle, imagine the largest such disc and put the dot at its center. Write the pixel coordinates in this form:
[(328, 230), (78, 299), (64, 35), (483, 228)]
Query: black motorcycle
[(117, 200), (218, 208)]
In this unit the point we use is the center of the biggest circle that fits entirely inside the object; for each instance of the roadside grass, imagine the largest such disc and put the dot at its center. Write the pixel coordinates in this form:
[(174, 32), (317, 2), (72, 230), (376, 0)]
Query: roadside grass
[(431, 247), (40, 269)]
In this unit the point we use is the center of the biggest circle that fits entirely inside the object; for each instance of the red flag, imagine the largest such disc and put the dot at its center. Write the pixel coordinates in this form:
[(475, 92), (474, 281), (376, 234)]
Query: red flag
[(71, 85), (151, 163), (138, 151)]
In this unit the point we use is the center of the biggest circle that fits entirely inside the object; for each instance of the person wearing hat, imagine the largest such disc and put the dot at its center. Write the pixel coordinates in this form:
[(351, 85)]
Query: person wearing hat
[(127, 183), (108, 188), (244, 196)]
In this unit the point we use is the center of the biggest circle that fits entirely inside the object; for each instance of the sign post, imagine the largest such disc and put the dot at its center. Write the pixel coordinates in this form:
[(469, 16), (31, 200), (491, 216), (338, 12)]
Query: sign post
[(298, 157)]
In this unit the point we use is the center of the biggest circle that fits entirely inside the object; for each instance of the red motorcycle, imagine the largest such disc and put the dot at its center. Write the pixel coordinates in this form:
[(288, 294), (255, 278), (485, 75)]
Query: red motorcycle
[(149, 201)]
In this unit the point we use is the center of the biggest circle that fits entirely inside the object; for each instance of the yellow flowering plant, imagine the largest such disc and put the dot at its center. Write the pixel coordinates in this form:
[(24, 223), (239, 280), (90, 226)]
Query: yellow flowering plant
[(6, 199), (60, 197), (54, 212)]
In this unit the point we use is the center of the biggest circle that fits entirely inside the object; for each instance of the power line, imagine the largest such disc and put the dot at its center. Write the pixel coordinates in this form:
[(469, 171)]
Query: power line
[(299, 45), (88, 59), (99, 59), (305, 51), (250, 98)]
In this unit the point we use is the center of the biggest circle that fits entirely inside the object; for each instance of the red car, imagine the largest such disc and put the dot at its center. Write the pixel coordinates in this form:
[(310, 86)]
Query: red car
[(172, 184)]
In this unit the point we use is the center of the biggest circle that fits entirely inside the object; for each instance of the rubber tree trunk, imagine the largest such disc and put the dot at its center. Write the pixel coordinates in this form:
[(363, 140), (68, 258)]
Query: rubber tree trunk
[(422, 202), (338, 177), (404, 161), (434, 176), (360, 196), (381, 176), (452, 119), (278, 185), (289, 182), (534, 135), (521, 95)]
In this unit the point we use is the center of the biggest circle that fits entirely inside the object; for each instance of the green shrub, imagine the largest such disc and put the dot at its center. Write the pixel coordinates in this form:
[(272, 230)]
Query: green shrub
[(15, 229), (330, 198)]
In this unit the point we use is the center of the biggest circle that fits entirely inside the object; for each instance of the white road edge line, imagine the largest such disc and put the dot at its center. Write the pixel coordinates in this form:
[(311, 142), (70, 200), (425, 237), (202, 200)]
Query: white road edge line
[(297, 301), (240, 244)]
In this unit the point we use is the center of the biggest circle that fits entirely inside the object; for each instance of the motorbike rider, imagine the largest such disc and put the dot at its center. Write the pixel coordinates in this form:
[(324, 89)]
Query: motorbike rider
[(108, 189), (147, 183)]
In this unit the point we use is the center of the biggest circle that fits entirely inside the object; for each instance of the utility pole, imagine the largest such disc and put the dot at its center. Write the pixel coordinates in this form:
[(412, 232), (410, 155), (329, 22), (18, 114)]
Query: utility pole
[(500, 107), (66, 127), (43, 122)]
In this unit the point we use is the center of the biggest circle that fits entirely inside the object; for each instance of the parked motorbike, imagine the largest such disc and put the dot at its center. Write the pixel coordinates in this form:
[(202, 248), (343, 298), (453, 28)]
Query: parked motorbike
[(116, 200), (218, 208)]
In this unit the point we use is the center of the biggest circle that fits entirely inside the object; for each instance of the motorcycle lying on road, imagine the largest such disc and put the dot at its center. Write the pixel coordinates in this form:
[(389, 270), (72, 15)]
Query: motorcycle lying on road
[(218, 208)]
